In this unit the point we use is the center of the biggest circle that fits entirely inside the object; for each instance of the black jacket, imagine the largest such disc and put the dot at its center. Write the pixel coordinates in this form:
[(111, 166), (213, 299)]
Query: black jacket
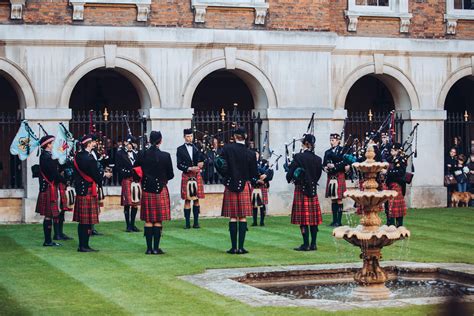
[(49, 168), (123, 165), (88, 165), (242, 166), (396, 173), (157, 169), (184, 161), (336, 157), (312, 165)]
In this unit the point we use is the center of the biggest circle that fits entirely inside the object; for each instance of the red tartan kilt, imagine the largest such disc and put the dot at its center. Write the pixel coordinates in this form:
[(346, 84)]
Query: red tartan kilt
[(86, 209), (237, 204), (155, 207), (47, 205), (126, 198), (264, 195), (63, 198), (200, 184), (341, 185), (397, 206), (306, 210)]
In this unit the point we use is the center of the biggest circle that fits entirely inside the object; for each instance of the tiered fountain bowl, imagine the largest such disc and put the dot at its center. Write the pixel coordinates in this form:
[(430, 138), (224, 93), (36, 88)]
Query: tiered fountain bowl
[(370, 236)]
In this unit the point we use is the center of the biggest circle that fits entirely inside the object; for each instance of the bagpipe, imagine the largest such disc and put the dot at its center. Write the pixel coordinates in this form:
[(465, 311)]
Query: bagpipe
[(135, 186), (409, 149)]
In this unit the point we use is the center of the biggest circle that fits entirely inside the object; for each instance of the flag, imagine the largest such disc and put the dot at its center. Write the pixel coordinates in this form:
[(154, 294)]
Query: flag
[(63, 144), (25, 141)]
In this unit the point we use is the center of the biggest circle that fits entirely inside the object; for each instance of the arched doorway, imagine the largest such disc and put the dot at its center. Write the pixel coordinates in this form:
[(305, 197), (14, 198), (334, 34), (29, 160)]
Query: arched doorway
[(10, 166), (221, 101), (107, 96), (459, 105), (369, 102)]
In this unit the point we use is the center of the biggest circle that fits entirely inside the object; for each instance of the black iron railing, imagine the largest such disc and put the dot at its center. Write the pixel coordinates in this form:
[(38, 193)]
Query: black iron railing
[(10, 166), (358, 123), (459, 125)]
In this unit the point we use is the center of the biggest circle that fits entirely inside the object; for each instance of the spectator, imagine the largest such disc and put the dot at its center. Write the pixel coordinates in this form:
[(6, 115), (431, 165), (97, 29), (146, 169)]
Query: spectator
[(461, 172), (449, 164), (457, 143), (470, 177)]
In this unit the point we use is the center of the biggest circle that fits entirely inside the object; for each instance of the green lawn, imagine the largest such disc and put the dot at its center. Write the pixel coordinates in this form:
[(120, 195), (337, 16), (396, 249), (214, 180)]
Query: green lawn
[(120, 279)]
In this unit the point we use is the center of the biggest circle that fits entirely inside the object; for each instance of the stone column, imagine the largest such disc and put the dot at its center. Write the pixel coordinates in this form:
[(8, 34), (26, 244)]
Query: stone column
[(171, 122), (49, 118), (427, 188)]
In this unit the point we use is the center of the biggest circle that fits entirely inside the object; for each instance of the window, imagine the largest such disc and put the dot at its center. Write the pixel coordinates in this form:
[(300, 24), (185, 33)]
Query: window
[(143, 7), (200, 7), (378, 8), (457, 10)]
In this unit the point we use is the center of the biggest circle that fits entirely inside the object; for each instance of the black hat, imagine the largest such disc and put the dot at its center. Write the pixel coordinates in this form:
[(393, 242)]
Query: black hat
[(309, 138), (397, 146), (240, 131), (45, 140), (87, 138), (131, 139), (155, 137), (335, 136), (187, 131)]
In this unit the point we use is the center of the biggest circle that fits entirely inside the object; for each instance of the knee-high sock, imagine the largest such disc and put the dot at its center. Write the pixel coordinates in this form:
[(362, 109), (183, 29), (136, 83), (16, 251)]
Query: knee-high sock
[(196, 211), (340, 207), (334, 209), (390, 221), (399, 221), (156, 237), (133, 215), (149, 237), (187, 216), (233, 234), (126, 213), (242, 232), (61, 222), (263, 211), (254, 215), (87, 234), (56, 227), (305, 234), (47, 223), (80, 235), (314, 234)]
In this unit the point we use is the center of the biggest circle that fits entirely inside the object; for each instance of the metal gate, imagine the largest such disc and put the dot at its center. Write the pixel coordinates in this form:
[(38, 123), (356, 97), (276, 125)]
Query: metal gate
[(459, 125), (10, 166), (358, 123)]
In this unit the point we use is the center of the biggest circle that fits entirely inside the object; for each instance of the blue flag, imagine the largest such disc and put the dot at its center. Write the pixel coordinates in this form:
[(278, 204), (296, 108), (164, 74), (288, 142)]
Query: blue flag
[(25, 141), (63, 144)]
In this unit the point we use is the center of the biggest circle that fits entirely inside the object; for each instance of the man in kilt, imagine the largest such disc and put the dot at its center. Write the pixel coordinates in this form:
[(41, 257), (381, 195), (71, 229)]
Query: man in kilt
[(49, 178), (157, 170), (305, 171), (190, 161), (335, 167), (66, 171), (240, 169), (87, 182), (265, 175), (397, 208), (125, 161)]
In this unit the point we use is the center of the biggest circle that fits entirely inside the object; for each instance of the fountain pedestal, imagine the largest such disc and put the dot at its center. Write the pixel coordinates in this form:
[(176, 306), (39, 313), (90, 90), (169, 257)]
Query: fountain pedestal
[(370, 236)]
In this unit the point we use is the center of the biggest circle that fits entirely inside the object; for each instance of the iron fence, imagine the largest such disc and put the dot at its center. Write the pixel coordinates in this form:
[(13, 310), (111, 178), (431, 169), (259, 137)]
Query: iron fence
[(10, 166), (358, 123), (459, 125)]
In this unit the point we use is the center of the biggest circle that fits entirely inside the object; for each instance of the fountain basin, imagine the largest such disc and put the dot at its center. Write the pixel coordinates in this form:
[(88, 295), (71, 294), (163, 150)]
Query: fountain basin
[(370, 198), (360, 236)]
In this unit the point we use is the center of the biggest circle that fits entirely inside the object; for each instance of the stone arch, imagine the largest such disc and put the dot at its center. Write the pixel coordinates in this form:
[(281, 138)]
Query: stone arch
[(453, 78), (402, 89), (138, 76), (21, 83), (258, 83)]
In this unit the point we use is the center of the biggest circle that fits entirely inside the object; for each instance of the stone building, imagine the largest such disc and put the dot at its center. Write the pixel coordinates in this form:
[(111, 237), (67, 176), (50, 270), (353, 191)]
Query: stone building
[(284, 59)]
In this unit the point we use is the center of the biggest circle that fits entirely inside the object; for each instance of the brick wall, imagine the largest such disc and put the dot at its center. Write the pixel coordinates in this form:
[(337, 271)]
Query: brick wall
[(302, 15)]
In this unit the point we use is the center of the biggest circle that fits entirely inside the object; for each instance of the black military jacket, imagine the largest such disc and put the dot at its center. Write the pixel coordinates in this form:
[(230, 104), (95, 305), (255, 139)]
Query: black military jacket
[(123, 164), (336, 157), (157, 169), (50, 168), (184, 161), (397, 172), (88, 165), (312, 165), (242, 166)]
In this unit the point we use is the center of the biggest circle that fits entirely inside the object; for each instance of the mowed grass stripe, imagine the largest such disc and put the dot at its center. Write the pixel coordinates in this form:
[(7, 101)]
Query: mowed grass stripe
[(42, 288)]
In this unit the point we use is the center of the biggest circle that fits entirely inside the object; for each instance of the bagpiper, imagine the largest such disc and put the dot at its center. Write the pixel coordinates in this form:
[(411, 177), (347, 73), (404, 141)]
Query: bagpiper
[(88, 182), (49, 178), (396, 181), (126, 159), (190, 161), (66, 198), (260, 190), (238, 167), (157, 170), (335, 166), (305, 171)]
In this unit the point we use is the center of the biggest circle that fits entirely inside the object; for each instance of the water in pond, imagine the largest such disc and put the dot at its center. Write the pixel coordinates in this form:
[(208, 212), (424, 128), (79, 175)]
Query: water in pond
[(400, 288)]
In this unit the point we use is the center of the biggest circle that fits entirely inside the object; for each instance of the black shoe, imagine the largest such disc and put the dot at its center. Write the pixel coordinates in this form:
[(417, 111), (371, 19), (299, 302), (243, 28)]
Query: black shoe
[(96, 233), (66, 237), (313, 248), (158, 252), (242, 251), (302, 248), (129, 229), (91, 249), (254, 224), (187, 227), (332, 224), (135, 229), (51, 244), (262, 224), (82, 249), (196, 226), (232, 251), (149, 252), (57, 237)]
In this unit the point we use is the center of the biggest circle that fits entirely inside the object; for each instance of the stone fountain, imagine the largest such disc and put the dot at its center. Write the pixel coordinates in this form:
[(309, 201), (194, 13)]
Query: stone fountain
[(370, 236)]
